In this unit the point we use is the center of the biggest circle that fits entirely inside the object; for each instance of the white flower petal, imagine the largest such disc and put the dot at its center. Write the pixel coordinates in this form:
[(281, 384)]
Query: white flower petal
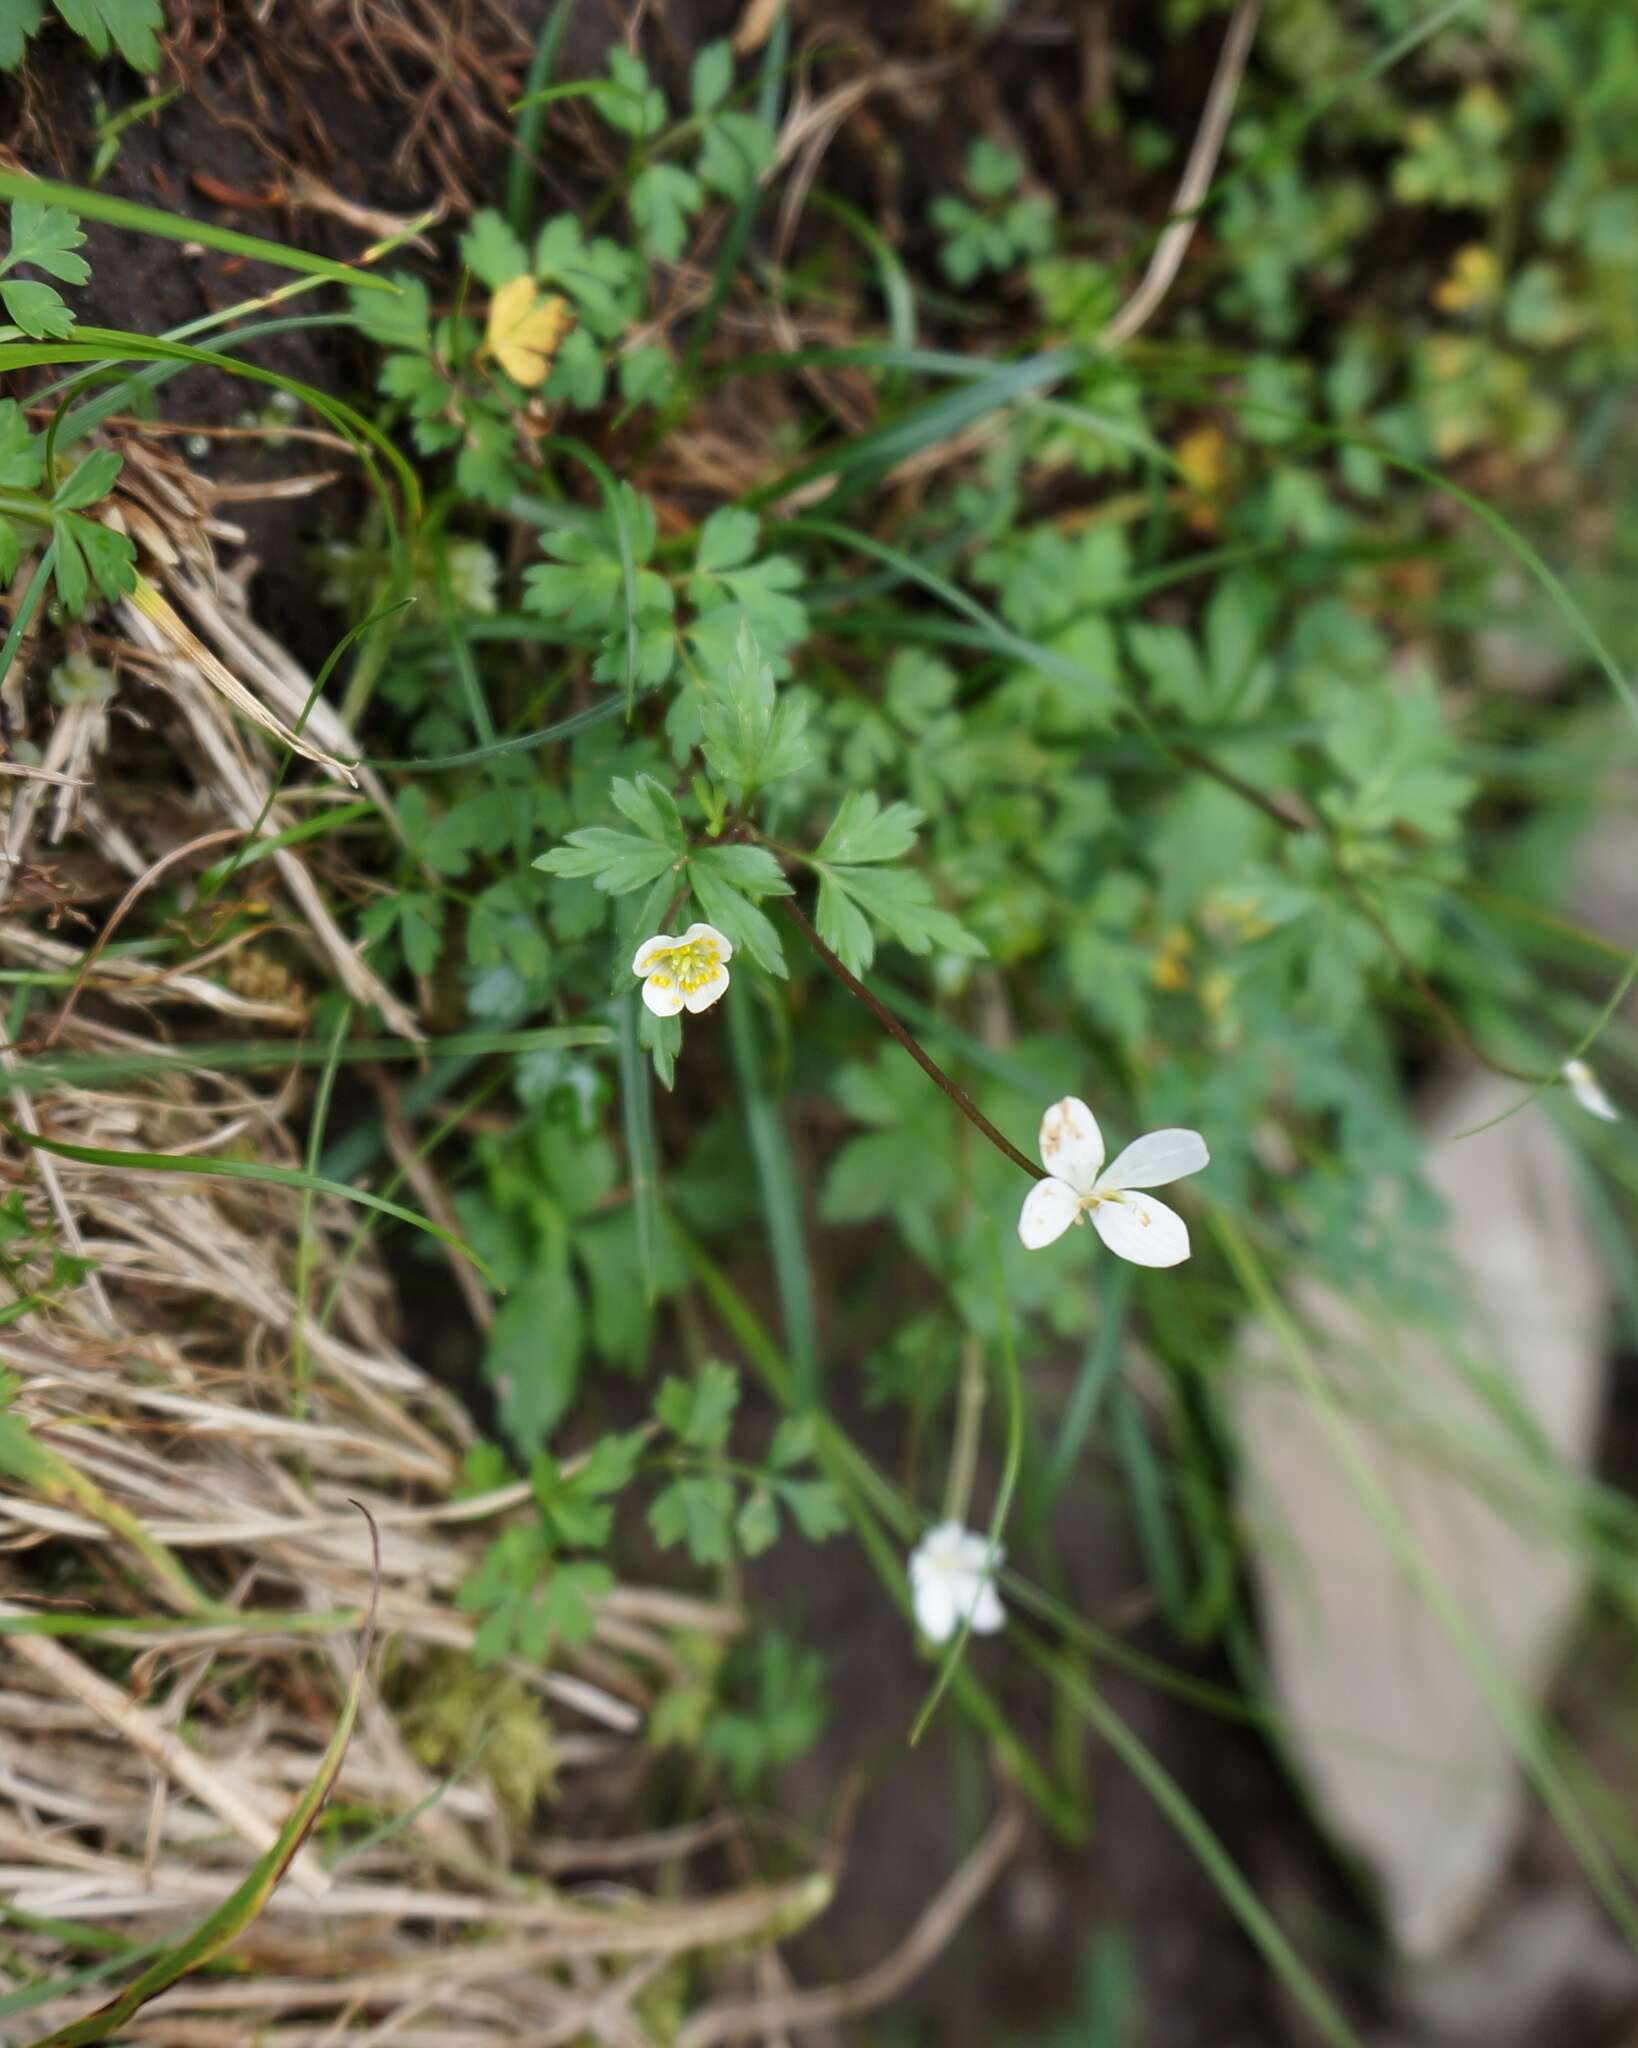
[(935, 1605), (988, 1613), (975, 1554), (1139, 1228), (705, 993), (696, 932), (651, 949), (952, 1579), (1588, 1090), (940, 1547), (1049, 1209), (1153, 1161), (662, 995), (1071, 1143)]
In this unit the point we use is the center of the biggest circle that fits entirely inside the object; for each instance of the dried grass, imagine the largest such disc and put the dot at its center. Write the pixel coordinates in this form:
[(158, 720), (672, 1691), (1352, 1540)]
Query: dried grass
[(142, 1769)]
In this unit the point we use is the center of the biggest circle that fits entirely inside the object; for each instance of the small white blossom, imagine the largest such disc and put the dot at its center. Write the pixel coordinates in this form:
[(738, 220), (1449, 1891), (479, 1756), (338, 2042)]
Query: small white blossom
[(1134, 1226), (683, 974), (952, 1580), (1587, 1089)]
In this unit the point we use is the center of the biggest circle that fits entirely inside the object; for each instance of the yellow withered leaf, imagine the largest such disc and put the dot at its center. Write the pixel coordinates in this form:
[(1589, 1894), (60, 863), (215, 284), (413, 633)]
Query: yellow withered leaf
[(526, 327)]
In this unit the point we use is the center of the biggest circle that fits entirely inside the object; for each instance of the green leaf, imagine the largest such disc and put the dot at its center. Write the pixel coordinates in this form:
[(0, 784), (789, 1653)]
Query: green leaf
[(130, 26), (423, 389), (575, 1504), (611, 1464), (735, 150), (533, 1354), (696, 1511), (863, 831), (47, 237), (491, 251), (1167, 656), (587, 584), (604, 280), (843, 925), (73, 578), (401, 319), (751, 736), (758, 594), (564, 1610), (87, 553), (700, 1411), (578, 373), (815, 1507), (661, 1039), (727, 539), (38, 309), (636, 107), (91, 481), (420, 930), (661, 199), (992, 170), (785, 1718), (22, 456), (757, 1523), (794, 1442), (753, 870), (615, 862), (652, 809), (746, 926), (577, 1521), (901, 903), (712, 77), (647, 375), (19, 20)]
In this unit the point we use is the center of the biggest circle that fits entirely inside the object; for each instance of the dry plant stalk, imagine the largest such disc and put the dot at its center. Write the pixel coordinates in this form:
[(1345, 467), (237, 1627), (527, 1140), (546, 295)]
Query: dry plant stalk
[(132, 1794)]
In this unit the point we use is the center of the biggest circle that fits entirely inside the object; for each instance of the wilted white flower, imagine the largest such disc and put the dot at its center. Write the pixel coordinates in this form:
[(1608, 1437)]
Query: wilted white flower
[(1134, 1226), (474, 576), (1587, 1089), (683, 974), (952, 1580)]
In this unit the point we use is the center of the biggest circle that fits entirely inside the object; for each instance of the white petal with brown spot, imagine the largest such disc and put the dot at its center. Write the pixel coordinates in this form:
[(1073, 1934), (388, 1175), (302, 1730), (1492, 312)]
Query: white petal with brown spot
[(1078, 1186)]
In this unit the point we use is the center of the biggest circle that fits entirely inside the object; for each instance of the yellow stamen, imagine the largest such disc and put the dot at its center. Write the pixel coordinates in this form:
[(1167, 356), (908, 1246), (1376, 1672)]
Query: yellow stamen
[(693, 966)]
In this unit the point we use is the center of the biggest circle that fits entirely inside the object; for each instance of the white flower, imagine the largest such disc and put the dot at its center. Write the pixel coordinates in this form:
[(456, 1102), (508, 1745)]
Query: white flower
[(683, 974), (952, 1580), (1588, 1091), (1133, 1225)]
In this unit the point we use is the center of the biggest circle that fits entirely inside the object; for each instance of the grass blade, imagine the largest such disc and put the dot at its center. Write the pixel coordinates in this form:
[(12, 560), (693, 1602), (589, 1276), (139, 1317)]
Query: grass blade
[(177, 227), (1207, 1850), (31, 1463), (1092, 1382), (637, 1111), (781, 1199), (65, 1070), (531, 126)]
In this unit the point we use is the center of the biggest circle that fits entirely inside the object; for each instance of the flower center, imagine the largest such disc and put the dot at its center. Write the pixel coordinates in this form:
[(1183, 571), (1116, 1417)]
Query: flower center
[(689, 967)]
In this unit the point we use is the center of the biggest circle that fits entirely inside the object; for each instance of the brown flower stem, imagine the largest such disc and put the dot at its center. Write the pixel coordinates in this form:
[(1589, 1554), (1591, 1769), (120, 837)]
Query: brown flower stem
[(923, 1059)]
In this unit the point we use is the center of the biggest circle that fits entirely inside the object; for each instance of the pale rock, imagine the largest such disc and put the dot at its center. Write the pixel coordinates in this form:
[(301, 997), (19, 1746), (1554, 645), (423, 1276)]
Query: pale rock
[(1389, 1722)]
